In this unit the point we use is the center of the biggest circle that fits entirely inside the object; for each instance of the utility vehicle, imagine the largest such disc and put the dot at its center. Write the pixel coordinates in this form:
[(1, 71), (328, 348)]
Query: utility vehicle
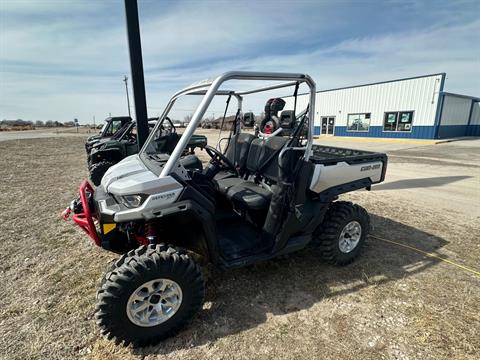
[(110, 151), (111, 126), (262, 197)]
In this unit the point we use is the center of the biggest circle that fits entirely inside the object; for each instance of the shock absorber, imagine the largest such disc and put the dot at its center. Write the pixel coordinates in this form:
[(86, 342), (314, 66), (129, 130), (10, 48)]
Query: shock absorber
[(150, 233)]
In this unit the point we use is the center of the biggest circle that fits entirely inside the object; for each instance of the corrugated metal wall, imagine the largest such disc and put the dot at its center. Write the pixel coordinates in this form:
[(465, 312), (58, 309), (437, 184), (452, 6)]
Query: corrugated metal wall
[(474, 127), (455, 118), (456, 110), (475, 114), (418, 94)]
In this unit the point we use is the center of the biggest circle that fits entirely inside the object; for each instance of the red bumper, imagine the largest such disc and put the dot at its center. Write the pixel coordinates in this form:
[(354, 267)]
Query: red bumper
[(86, 219)]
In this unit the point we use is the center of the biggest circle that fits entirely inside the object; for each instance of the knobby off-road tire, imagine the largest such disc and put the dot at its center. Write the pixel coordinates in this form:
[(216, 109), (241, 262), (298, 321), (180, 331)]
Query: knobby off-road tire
[(148, 267), (98, 170), (343, 232)]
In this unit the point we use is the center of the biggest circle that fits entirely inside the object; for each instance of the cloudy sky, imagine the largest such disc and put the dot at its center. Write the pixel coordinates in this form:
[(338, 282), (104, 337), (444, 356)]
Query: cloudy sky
[(65, 59)]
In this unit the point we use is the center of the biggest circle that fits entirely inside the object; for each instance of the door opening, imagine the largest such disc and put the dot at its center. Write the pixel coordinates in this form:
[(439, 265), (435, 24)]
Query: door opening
[(328, 125)]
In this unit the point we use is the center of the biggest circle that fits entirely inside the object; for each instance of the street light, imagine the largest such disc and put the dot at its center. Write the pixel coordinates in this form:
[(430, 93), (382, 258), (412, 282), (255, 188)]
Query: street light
[(125, 79)]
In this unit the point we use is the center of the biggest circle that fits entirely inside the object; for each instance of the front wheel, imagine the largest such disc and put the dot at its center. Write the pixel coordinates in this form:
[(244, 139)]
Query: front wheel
[(343, 232), (150, 294)]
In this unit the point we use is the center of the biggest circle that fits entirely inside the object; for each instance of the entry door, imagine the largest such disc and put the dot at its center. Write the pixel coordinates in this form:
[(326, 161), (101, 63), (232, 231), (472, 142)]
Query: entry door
[(328, 124)]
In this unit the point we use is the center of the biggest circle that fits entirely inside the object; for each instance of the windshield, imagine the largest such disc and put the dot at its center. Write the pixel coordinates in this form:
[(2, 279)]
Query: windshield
[(164, 138), (122, 131), (104, 127)]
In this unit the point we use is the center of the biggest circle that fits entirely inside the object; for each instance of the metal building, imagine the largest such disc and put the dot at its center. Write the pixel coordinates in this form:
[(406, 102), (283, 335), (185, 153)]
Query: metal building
[(416, 107)]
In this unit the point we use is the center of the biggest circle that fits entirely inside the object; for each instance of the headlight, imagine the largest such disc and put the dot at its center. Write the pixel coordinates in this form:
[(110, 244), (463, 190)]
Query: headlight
[(132, 201)]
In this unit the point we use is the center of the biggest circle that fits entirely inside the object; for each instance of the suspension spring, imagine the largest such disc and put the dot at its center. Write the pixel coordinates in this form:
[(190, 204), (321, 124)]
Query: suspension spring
[(150, 233)]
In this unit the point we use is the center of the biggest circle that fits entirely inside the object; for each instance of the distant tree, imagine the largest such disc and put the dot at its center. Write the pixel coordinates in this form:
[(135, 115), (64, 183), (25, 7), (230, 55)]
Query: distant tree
[(57, 124), (69, 123), (39, 123), (187, 118), (20, 122), (49, 123)]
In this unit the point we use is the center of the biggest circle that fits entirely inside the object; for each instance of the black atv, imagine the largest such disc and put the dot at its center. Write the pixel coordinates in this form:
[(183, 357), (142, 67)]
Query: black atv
[(111, 127)]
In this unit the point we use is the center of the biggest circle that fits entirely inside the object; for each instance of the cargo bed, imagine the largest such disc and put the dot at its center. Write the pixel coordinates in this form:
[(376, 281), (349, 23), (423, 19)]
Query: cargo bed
[(329, 155), (340, 170)]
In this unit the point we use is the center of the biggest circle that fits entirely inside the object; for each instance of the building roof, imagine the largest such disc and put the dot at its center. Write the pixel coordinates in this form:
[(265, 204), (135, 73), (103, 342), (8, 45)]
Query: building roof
[(461, 96)]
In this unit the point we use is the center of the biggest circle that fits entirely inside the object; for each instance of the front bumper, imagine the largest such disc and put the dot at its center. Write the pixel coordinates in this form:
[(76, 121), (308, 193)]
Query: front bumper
[(86, 218), (87, 213)]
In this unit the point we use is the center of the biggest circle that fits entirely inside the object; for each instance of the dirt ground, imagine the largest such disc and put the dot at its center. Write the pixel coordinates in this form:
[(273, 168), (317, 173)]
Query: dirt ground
[(392, 303)]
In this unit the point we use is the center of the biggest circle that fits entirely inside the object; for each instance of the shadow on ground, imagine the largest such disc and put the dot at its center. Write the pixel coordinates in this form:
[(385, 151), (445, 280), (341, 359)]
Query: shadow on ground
[(420, 183), (241, 299)]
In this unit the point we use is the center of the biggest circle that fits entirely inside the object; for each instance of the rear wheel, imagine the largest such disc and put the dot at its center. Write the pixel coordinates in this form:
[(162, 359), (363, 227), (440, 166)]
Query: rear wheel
[(98, 170), (343, 232), (150, 294)]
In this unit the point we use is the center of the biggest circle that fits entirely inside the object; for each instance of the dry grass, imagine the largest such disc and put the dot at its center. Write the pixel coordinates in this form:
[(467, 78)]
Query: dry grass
[(392, 303)]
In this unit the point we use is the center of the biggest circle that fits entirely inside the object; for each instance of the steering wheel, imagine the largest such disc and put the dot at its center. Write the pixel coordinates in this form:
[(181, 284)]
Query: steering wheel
[(218, 159), (132, 138)]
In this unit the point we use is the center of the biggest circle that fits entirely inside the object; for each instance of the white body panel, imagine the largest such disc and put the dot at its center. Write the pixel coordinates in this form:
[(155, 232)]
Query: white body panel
[(131, 177), (326, 177)]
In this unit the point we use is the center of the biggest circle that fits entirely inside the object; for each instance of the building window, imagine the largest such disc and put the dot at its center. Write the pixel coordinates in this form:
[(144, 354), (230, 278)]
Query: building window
[(358, 122), (398, 121)]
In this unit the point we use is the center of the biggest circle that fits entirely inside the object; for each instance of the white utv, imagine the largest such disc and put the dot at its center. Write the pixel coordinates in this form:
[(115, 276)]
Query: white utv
[(264, 196)]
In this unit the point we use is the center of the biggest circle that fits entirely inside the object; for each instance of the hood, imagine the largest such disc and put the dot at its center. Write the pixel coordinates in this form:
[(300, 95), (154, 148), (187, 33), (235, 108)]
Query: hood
[(94, 137), (131, 176), (99, 142)]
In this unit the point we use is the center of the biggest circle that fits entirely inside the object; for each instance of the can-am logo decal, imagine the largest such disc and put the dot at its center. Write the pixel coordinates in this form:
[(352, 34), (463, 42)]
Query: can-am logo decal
[(166, 196), (370, 167)]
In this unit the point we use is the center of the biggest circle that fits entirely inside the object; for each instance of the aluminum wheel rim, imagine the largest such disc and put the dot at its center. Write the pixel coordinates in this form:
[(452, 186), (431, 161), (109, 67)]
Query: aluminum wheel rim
[(350, 237), (154, 302)]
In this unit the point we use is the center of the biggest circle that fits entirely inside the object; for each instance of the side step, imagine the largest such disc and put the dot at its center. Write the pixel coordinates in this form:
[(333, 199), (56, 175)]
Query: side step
[(295, 243)]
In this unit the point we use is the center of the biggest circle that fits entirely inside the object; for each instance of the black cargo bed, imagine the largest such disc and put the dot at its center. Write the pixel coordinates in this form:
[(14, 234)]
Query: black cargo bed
[(330, 155)]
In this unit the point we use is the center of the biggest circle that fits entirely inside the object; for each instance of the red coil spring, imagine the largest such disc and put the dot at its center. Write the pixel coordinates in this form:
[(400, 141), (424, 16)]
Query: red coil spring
[(150, 233)]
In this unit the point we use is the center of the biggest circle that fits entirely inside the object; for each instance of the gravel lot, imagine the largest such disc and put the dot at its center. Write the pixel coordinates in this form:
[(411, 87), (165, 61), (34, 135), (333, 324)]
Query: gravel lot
[(393, 303)]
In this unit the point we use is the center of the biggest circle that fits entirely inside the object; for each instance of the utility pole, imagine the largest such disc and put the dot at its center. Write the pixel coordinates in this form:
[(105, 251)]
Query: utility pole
[(125, 79), (94, 122), (136, 65)]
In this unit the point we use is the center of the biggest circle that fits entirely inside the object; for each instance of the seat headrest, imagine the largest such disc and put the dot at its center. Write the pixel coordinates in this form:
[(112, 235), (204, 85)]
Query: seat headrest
[(248, 119), (273, 106), (287, 119)]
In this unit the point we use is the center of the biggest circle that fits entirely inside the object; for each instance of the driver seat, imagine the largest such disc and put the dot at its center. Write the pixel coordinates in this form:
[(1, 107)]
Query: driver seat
[(237, 152), (224, 181)]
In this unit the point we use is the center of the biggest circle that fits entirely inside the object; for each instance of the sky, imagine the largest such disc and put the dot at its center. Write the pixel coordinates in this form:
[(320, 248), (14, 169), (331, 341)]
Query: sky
[(66, 59)]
